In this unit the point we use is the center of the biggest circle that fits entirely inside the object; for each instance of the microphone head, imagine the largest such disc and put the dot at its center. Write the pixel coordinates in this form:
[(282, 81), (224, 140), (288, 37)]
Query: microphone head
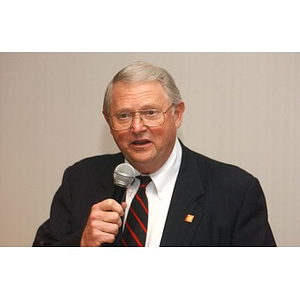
[(124, 175)]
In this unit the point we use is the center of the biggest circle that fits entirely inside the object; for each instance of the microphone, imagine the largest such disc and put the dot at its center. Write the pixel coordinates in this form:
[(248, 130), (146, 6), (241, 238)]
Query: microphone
[(124, 175)]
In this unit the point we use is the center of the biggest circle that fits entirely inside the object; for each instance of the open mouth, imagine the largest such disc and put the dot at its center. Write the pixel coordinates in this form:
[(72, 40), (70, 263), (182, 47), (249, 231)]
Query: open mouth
[(141, 142)]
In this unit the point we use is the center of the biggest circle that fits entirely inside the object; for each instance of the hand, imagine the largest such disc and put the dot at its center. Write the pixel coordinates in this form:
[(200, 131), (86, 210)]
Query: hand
[(103, 223)]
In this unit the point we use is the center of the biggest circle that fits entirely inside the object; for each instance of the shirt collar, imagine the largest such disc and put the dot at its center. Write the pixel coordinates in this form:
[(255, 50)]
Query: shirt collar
[(167, 174)]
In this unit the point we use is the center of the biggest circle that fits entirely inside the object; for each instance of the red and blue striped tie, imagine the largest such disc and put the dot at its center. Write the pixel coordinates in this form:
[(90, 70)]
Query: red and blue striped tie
[(135, 230)]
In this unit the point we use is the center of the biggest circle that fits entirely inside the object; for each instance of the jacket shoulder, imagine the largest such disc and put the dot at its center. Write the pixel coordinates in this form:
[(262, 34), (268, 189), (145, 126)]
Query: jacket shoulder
[(213, 169), (105, 159), (96, 165)]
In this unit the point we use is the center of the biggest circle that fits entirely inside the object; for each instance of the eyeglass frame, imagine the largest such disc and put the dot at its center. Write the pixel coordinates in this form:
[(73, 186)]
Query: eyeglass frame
[(133, 113)]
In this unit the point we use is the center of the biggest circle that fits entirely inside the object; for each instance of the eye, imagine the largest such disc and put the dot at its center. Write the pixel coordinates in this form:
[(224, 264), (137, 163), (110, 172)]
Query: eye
[(151, 112), (123, 116)]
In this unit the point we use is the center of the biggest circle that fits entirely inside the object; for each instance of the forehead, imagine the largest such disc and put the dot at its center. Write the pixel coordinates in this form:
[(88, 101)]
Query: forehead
[(137, 95)]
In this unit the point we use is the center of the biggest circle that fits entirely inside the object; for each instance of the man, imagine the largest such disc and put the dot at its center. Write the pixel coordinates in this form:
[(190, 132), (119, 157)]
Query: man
[(191, 200)]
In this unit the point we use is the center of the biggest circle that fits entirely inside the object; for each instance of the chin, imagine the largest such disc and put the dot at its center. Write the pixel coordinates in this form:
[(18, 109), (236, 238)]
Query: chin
[(142, 162), (143, 165)]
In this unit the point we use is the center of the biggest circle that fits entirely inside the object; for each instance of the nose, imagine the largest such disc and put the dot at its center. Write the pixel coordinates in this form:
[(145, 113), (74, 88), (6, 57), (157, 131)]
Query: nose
[(137, 124)]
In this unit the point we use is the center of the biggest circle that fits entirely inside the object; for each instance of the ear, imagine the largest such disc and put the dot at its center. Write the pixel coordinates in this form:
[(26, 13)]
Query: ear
[(178, 113), (107, 119)]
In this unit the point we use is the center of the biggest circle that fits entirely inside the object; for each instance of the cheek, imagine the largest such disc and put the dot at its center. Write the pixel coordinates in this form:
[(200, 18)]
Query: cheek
[(119, 139), (164, 136)]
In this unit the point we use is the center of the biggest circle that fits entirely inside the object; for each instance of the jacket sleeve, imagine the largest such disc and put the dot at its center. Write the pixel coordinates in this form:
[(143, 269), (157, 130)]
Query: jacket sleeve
[(57, 230), (252, 227)]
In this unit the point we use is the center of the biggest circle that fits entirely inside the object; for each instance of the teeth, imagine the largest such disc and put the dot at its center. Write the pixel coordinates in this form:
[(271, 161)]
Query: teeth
[(141, 142)]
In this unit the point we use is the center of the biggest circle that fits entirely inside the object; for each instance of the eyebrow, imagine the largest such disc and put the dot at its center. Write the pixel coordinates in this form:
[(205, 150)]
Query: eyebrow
[(146, 107)]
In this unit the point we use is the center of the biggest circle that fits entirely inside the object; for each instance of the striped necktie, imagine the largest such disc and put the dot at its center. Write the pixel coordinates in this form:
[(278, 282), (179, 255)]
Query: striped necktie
[(135, 230)]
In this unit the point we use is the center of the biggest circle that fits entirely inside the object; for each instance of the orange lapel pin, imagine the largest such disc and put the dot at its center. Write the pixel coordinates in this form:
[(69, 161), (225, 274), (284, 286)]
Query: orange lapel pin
[(189, 218)]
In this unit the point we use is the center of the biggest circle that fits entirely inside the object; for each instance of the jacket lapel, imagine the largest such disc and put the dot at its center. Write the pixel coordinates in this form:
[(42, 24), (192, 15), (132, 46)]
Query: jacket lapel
[(186, 210)]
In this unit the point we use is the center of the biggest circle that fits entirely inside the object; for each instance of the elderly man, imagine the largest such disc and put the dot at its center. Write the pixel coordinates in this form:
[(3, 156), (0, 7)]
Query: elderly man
[(179, 198)]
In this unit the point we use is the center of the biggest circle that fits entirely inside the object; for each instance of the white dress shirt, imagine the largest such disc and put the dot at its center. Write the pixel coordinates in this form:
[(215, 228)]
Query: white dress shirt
[(159, 193)]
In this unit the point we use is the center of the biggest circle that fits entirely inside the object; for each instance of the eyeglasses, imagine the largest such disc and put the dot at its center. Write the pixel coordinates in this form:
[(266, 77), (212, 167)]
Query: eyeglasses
[(152, 117)]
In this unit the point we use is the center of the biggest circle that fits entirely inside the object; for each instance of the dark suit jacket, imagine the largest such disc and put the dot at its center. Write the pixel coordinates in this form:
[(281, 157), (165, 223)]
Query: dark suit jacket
[(227, 203)]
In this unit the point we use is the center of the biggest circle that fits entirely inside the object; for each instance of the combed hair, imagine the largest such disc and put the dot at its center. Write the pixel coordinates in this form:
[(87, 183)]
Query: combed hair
[(139, 72)]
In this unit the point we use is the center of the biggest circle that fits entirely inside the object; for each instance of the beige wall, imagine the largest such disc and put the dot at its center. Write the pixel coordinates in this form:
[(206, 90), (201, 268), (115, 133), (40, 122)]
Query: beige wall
[(242, 108)]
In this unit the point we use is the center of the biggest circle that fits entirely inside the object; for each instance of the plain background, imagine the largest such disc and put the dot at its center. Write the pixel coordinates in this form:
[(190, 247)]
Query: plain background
[(241, 108)]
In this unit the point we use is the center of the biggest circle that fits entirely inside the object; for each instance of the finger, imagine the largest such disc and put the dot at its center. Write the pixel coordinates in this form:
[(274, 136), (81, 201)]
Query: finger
[(124, 205), (106, 238), (98, 232), (111, 205), (109, 217), (97, 238), (110, 228)]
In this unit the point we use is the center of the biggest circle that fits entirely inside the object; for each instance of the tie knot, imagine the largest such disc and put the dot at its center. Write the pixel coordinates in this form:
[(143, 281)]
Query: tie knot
[(145, 180)]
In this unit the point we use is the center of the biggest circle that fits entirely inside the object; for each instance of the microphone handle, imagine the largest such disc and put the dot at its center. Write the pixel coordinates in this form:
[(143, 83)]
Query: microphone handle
[(119, 193)]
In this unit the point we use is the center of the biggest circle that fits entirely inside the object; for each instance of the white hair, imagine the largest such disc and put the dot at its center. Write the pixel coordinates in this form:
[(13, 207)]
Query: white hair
[(139, 72)]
